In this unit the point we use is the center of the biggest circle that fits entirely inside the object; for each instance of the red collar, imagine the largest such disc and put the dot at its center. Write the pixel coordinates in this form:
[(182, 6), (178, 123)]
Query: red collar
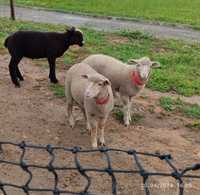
[(102, 101), (136, 78)]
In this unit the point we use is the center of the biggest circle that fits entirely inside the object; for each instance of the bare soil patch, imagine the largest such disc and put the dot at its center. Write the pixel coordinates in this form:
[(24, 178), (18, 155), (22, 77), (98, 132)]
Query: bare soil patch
[(33, 114), (117, 39)]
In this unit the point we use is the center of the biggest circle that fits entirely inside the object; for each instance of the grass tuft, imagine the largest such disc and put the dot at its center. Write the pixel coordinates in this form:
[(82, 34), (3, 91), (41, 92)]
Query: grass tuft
[(135, 117), (194, 125), (135, 35), (58, 90), (167, 103), (176, 105)]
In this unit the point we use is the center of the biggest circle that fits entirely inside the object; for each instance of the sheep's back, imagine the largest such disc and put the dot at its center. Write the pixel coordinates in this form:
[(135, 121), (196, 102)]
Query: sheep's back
[(33, 44), (78, 84), (108, 66)]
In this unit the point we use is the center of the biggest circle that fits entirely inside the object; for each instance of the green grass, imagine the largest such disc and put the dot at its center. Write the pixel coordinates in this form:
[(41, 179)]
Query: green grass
[(180, 70), (135, 117), (176, 105), (195, 125), (173, 11), (58, 90)]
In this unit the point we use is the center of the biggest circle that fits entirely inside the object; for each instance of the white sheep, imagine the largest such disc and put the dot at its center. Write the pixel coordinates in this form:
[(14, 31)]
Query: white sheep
[(93, 93), (126, 79)]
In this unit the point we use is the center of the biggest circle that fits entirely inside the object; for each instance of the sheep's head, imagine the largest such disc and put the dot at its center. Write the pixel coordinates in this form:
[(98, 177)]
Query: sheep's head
[(97, 88), (75, 36), (144, 65)]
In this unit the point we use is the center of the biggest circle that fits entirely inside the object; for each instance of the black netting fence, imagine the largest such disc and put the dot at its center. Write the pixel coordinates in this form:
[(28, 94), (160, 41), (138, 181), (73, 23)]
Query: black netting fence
[(175, 173)]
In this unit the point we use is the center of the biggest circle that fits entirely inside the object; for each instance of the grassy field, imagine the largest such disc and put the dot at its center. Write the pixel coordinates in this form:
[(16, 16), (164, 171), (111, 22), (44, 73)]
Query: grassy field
[(180, 70), (173, 11)]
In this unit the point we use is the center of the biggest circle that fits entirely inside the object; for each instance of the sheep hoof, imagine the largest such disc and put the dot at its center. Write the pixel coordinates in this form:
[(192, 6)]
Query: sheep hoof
[(127, 122), (71, 123), (101, 143), (17, 85), (94, 145), (88, 129), (126, 125), (21, 78), (54, 81)]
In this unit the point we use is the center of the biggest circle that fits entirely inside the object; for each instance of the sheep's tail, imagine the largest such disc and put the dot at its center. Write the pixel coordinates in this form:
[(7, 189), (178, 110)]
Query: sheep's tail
[(6, 42)]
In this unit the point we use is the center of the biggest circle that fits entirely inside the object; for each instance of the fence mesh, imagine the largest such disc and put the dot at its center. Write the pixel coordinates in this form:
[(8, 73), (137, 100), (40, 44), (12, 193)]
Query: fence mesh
[(175, 173)]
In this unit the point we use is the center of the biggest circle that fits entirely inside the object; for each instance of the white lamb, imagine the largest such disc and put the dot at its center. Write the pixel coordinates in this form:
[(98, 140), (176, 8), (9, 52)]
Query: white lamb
[(93, 93), (126, 79)]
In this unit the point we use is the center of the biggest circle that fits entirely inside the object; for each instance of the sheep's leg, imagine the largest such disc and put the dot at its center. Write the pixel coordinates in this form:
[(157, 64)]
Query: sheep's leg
[(92, 125), (86, 120), (117, 98), (69, 114), (19, 75), (52, 70), (13, 70), (126, 109), (101, 127), (94, 133), (129, 108), (69, 105)]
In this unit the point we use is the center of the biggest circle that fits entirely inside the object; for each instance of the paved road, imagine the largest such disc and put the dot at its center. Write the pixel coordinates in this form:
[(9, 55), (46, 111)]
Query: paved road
[(156, 30)]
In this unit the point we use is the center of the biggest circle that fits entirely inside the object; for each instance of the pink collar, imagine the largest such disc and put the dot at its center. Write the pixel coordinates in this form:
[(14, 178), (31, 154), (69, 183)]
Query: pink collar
[(136, 78), (102, 101)]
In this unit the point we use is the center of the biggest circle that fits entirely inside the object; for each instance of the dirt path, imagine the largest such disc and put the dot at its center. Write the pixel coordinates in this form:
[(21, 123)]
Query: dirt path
[(32, 113), (161, 31)]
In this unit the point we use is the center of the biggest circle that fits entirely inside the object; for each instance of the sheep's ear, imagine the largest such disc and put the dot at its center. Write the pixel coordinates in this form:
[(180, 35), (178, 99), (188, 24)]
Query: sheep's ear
[(72, 29), (135, 61), (85, 76), (155, 64), (106, 82)]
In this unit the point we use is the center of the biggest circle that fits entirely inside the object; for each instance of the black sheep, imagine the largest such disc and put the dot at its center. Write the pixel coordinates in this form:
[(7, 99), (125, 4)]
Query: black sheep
[(33, 44)]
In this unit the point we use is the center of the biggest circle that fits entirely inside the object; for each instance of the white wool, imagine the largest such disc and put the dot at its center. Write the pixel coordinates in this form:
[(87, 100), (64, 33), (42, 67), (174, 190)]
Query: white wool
[(120, 75), (78, 89)]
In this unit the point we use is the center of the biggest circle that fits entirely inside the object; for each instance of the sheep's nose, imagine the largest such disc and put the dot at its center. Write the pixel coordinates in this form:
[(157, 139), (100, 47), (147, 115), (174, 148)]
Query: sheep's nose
[(81, 44), (144, 76)]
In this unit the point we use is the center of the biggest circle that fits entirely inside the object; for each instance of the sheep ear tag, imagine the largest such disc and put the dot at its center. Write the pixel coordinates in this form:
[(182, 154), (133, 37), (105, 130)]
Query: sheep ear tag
[(102, 101), (136, 78)]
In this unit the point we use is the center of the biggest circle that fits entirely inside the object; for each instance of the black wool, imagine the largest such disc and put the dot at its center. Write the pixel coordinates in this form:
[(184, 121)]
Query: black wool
[(35, 45)]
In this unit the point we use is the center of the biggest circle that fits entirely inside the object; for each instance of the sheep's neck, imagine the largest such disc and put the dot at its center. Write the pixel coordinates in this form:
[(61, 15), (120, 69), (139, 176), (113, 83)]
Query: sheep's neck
[(67, 40), (136, 78), (101, 101)]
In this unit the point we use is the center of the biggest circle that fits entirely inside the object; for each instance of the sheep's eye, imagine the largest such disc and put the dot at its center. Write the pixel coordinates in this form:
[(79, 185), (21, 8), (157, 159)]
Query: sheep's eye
[(100, 84)]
